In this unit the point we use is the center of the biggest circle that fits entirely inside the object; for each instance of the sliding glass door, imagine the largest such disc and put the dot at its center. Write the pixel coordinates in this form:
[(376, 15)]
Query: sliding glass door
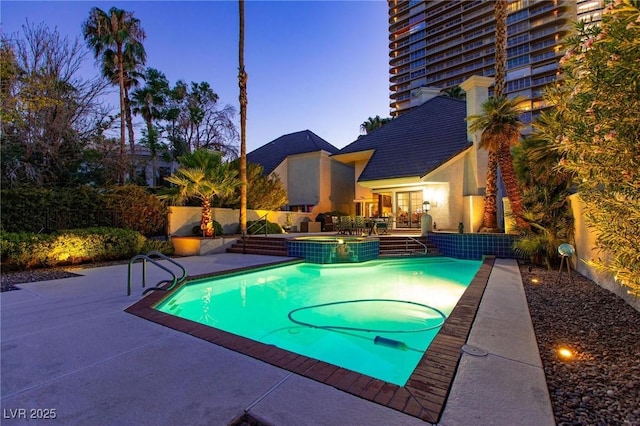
[(408, 209)]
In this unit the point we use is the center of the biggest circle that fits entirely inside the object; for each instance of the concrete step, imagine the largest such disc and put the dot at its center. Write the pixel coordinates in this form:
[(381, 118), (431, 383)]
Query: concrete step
[(260, 245), (253, 250)]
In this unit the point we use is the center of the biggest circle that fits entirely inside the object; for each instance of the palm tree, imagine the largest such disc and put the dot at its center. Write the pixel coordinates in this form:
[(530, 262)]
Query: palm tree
[(373, 123), (149, 102), (134, 58), (109, 35), (202, 175), (500, 125), (242, 83), (454, 92), (490, 215)]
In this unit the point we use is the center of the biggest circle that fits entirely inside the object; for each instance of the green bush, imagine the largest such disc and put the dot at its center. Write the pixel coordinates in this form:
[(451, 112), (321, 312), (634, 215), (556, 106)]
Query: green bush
[(37, 210), (217, 229), (272, 228), (136, 209), (34, 210), (27, 250)]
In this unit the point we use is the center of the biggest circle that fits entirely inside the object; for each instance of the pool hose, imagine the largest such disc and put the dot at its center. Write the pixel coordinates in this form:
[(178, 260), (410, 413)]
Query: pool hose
[(335, 327)]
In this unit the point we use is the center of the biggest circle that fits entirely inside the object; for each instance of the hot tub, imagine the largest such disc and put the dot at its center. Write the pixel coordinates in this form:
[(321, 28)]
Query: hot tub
[(334, 249)]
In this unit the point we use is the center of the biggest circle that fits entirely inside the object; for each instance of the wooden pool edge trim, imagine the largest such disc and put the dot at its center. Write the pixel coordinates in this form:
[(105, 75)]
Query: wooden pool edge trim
[(426, 392)]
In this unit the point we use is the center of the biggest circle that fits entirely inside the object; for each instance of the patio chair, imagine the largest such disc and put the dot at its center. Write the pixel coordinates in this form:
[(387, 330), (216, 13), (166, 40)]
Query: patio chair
[(346, 225), (329, 224), (359, 225), (382, 225)]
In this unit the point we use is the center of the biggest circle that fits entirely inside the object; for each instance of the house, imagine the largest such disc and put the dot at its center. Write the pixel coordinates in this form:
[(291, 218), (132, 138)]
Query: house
[(146, 165), (314, 181), (425, 155)]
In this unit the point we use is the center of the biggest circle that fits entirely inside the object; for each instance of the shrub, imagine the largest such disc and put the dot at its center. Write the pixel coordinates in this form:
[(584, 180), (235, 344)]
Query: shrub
[(64, 208), (34, 210), (137, 209), (27, 250), (217, 229), (272, 228)]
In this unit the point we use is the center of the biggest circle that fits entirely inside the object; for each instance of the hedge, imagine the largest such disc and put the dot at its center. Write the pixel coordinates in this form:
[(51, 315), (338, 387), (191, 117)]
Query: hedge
[(46, 210), (27, 250)]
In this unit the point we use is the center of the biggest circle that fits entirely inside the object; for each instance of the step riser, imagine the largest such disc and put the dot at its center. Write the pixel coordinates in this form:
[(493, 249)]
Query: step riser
[(389, 246)]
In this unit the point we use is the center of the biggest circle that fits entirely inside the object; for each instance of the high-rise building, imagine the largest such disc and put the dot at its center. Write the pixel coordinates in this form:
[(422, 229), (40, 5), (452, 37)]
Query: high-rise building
[(440, 43)]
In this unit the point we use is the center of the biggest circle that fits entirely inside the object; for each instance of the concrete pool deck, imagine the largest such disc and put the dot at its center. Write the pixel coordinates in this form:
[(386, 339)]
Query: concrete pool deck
[(68, 346)]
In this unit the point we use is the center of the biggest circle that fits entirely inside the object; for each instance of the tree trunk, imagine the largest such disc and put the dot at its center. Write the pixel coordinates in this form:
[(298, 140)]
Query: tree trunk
[(500, 14), (206, 222), (132, 140), (490, 215), (511, 185), (242, 83), (123, 154)]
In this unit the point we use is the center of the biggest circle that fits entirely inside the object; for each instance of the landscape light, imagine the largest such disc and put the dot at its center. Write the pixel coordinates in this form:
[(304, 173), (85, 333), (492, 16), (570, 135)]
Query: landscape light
[(565, 353)]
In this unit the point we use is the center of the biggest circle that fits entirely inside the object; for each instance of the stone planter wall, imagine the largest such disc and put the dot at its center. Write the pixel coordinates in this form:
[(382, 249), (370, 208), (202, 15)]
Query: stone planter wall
[(198, 246)]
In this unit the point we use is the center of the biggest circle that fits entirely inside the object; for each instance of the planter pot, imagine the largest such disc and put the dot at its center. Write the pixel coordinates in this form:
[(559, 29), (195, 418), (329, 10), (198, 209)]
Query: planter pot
[(199, 246)]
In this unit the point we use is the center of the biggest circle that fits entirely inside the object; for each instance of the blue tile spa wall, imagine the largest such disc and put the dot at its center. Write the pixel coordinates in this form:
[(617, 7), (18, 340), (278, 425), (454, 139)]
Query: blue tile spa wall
[(474, 246), (338, 251)]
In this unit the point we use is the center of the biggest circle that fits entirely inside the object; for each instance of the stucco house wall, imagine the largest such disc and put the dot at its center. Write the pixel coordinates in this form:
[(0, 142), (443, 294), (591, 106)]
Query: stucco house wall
[(445, 193), (182, 219), (585, 239), (303, 179), (341, 193)]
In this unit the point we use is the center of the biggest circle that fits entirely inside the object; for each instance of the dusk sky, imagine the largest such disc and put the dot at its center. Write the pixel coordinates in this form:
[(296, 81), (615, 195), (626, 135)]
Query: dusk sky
[(321, 66)]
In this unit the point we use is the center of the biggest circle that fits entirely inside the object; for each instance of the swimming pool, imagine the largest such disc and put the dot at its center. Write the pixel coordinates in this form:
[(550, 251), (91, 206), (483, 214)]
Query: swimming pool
[(376, 318)]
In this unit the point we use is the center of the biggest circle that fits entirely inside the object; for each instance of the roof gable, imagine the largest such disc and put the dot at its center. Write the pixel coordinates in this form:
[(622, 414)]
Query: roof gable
[(270, 155), (415, 143)]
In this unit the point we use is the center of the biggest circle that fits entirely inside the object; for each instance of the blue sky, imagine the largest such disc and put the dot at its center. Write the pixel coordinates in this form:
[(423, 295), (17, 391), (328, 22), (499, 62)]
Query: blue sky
[(317, 65)]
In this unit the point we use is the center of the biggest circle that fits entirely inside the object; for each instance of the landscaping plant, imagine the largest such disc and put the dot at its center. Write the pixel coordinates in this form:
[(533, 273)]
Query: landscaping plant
[(599, 138), (203, 176)]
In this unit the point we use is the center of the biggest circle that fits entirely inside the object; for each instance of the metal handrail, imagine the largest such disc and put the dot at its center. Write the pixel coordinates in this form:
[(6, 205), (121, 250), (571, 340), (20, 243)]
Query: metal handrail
[(264, 225), (147, 257), (417, 241), (168, 259)]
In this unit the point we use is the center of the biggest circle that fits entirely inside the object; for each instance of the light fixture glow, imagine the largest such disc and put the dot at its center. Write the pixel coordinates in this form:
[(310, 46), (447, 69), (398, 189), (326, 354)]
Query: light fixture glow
[(565, 353)]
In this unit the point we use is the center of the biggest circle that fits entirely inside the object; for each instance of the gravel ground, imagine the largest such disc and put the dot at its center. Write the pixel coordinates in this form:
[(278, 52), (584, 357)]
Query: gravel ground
[(599, 385)]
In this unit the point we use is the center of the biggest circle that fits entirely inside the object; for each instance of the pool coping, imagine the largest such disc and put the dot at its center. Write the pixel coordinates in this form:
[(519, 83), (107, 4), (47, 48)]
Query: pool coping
[(425, 394)]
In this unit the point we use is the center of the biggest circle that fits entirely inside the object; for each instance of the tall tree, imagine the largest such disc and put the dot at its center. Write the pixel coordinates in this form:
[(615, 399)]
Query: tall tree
[(195, 120), (490, 215), (109, 35), (264, 192), (49, 112), (242, 83), (373, 123), (500, 125), (134, 59), (149, 102)]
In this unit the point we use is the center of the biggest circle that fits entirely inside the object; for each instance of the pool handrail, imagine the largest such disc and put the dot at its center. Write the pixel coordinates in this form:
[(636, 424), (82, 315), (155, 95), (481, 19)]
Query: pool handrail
[(426, 250), (147, 257)]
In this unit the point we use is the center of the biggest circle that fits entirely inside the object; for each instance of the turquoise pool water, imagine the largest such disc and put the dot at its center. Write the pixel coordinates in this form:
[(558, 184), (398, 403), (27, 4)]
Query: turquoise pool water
[(376, 318)]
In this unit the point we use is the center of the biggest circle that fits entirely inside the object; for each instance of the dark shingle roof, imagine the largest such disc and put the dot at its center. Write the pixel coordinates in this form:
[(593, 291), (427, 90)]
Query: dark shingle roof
[(269, 156), (415, 143)]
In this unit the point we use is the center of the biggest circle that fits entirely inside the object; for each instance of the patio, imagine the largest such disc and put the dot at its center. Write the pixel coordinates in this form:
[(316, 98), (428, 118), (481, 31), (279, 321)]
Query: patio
[(68, 345)]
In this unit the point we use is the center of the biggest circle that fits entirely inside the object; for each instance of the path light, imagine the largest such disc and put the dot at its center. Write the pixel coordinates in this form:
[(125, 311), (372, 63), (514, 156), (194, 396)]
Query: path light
[(564, 353), (535, 280)]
